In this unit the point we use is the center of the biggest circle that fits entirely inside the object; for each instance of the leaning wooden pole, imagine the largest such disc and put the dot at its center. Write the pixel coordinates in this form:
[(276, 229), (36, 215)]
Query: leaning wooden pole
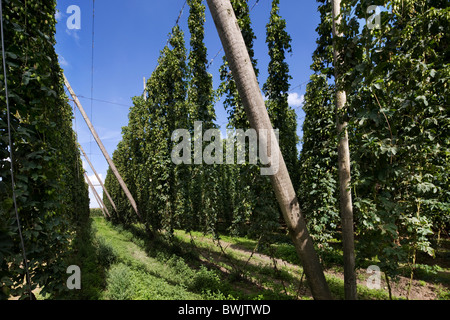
[(98, 178), (250, 93), (97, 197), (102, 147)]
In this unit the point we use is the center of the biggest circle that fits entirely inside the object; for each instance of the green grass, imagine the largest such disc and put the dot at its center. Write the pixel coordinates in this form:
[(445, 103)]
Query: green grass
[(150, 270), (136, 276), (177, 264), (124, 264), (331, 258), (128, 283)]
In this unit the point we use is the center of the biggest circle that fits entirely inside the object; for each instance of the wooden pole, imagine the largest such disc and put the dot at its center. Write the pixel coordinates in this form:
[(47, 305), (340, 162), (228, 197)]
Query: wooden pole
[(345, 195), (97, 197), (100, 203), (145, 90), (102, 147), (249, 90), (98, 178)]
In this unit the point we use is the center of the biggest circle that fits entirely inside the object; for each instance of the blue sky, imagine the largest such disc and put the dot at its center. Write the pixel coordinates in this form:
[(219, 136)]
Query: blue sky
[(128, 38)]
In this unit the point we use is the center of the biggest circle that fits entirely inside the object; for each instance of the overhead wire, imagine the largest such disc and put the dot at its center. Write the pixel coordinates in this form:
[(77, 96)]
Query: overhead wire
[(300, 85), (177, 21), (221, 49), (180, 14), (11, 157), (254, 5), (104, 101)]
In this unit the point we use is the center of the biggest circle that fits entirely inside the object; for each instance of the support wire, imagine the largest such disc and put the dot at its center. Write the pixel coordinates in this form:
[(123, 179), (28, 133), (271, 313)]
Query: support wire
[(11, 158)]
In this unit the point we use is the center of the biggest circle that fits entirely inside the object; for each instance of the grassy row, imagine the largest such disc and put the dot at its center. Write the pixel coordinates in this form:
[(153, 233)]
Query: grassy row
[(118, 264), (123, 264), (134, 275)]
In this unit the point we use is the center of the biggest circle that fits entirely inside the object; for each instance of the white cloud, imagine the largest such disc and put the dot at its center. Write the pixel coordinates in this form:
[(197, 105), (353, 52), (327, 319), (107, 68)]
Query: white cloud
[(58, 15), (74, 33), (93, 200), (83, 133), (94, 180), (63, 62), (296, 100), (107, 134)]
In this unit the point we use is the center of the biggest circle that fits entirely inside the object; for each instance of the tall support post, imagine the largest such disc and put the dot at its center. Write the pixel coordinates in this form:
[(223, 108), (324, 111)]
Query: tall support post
[(345, 195), (249, 90), (145, 90), (98, 178), (102, 147), (97, 197)]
